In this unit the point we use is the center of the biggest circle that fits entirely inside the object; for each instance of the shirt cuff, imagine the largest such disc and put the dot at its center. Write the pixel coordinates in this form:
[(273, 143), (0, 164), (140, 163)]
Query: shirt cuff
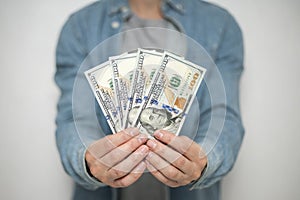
[(91, 181), (213, 161)]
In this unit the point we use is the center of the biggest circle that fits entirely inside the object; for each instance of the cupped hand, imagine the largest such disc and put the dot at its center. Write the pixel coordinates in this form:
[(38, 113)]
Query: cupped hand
[(117, 159), (175, 160)]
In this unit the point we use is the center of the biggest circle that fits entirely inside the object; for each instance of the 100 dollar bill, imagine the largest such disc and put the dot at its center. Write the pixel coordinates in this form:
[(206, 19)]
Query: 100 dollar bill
[(170, 95), (146, 64), (123, 67), (100, 80)]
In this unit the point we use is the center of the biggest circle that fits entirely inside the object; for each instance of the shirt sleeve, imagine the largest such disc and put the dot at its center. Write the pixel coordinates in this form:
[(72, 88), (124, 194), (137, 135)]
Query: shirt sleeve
[(222, 156), (70, 53)]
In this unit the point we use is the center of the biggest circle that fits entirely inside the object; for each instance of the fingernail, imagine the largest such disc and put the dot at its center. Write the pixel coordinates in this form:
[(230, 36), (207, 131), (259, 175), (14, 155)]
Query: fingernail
[(152, 144), (142, 138), (158, 134), (141, 167), (143, 149), (132, 131)]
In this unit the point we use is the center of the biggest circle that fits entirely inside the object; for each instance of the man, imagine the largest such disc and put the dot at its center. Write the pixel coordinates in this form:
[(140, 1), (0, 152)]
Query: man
[(119, 160)]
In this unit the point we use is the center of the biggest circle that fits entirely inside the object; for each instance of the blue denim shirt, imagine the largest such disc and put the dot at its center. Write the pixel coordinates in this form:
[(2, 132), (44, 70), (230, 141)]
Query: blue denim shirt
[(209, 25)]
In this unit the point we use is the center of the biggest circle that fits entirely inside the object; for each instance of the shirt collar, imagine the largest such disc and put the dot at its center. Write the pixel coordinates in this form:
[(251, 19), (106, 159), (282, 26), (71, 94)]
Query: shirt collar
[(117, 6), (177, 5)]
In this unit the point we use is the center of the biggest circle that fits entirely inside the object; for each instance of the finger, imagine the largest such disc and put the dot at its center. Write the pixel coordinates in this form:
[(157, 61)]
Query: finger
[(131, 177), (157, 174), (182, 144), (118, 154), (110, 142), (127, 165), (168, 170), (170, 155)]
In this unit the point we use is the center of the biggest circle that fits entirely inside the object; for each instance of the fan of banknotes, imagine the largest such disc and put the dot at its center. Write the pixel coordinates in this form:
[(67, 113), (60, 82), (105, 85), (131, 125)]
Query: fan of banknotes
[(147, 89)]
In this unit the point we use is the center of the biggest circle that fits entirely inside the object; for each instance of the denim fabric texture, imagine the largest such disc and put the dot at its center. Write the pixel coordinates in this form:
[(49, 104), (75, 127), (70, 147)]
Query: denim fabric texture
[(212, 27)]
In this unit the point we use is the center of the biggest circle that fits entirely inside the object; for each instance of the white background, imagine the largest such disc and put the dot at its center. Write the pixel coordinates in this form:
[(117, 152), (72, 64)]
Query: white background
[(268, 163)]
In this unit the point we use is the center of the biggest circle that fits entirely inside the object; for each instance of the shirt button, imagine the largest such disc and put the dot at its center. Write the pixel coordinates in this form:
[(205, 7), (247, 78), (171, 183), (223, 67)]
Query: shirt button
[(115, 24), (124, 9), (179, 6)]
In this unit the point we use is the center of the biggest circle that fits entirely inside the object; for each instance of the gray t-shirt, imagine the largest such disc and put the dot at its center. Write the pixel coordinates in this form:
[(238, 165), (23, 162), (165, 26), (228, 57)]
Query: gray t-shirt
[(147, 33), (147, 187)]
